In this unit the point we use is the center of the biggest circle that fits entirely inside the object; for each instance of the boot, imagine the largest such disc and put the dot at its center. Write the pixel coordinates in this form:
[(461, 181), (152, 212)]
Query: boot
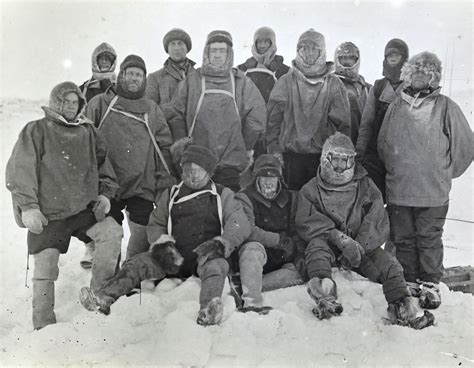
[(107, 236), (43, 304), (138, 242), (252, 258), (324, 293), (287, 276), (414, 288), (95, 301), (430, 295), (212, 313), (404, 313), (86, 261)]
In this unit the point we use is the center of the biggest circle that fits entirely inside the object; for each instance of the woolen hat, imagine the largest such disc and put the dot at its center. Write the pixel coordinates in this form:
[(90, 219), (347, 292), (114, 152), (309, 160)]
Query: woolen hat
[(396, 46), (219, 36), (133, 61), (201, 156), (177, 34)]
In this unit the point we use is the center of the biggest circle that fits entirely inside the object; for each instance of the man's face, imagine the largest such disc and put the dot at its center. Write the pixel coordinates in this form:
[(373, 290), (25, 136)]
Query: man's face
[(420, 80), (133, 78), (337, 168), (70, 106), (263, 45), (217, 53), (194, 176), (268, 186), (309, 52), (104, 63), (347, 60), (394, 58), (177, 50)]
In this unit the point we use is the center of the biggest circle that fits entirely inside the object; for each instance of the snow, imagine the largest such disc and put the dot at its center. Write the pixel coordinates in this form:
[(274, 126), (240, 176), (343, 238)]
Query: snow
[(159, 326)]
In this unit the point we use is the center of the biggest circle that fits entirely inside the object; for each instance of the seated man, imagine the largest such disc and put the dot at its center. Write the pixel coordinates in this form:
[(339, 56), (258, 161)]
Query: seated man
[(341, 214), (196, 225), (273, 248)]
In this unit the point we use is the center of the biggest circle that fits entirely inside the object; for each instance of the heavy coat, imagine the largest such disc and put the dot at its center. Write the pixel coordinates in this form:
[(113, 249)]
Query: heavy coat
[(302, 113), (161, 86), (424, 143), (356, 209), (58, 168), (228, 140), (132, 153)]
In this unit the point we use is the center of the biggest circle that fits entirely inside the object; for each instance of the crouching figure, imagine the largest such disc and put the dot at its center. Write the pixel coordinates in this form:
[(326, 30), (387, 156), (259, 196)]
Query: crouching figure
[(341, 214), (194, 229)]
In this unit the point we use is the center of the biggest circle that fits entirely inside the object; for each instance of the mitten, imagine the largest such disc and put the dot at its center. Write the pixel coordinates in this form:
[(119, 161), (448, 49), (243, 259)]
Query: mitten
[(209, 250), (167, 256), (351, 250), (101, 207), (34, 220)]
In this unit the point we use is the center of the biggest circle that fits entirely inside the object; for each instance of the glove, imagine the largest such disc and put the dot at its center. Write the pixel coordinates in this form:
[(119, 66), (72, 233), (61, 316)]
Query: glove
[(101, 207), (209, 250), (351, 250), (34, 220), (168, 257), (286, 244)]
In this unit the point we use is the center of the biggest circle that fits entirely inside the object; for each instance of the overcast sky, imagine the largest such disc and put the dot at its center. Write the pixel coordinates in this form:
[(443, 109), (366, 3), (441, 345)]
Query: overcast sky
[(44, 43)]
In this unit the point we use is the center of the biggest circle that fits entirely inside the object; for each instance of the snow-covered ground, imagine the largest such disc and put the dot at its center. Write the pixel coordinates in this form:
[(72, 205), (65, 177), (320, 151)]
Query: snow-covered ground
[(158, 328)]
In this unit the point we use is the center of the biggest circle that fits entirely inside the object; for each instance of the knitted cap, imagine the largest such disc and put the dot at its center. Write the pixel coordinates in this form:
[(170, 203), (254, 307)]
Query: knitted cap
[(133, 61), (312, 36), (177, 34), (398, 46), (267, 165), (264, 33), (425, 62), (219, 36), (201, 156)]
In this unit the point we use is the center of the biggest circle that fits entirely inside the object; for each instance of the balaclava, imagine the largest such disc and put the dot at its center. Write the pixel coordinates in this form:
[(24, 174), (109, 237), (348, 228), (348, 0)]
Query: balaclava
[(128, 62), (97, 74), (260, 34), (347, 49), (207, 68), (337, 160), (393, 72), (425, 62), (320, 67), (267, 165)]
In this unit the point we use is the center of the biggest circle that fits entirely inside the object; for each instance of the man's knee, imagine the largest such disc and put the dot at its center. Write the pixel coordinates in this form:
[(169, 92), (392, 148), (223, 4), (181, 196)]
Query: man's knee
[(214, 267), (253, 251), (105, 230), (46, 265)]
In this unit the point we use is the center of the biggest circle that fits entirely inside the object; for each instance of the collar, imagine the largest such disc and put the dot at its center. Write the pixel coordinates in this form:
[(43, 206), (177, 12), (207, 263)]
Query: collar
[(281, 199)]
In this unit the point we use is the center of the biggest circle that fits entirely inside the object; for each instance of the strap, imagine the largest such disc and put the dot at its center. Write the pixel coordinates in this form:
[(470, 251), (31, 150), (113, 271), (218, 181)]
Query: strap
[(111, 105), (174, 193), (261, 70)]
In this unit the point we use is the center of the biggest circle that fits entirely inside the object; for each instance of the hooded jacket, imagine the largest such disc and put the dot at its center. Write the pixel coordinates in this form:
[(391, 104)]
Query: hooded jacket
[(424, 143), (322, 208), (132, 153), (162, 85), (100, 81), (303, 112), (57, 167)]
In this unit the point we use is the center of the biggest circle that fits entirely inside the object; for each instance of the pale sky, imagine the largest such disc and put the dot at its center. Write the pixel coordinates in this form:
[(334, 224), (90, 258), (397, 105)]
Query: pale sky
[(44, 43)]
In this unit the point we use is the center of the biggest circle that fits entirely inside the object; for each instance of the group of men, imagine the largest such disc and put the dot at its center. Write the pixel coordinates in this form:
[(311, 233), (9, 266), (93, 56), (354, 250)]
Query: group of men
[(250, 170)]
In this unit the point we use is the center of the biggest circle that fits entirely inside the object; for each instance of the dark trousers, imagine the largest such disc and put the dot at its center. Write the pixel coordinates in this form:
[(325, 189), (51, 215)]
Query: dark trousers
[(139, 210), (228, 177), (299, 168), (378, 266), (416, 234), (376, 171)]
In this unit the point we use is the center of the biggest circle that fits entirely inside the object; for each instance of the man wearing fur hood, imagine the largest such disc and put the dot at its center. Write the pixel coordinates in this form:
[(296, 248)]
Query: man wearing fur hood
[(61, 182), (380, 96), (425, 141), (307, 105), (194, 229), (347, 61), (162, 85), (220, 108), (104, 60), (139, 140), (341, 214)]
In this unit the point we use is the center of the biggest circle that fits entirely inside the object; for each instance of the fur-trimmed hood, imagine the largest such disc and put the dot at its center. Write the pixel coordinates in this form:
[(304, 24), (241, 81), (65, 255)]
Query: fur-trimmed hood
[(426, 62), (103, 47), (56, 100)]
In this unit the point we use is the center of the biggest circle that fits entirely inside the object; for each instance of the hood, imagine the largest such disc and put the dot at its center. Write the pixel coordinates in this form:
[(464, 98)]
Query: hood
[(347, 49), (56, 100), (103, 47)]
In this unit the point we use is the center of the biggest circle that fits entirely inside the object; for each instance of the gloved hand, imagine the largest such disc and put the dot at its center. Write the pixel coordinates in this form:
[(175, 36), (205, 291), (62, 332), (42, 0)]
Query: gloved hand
[(286, 244), (34, 220), (101, 207), (168, 257), (211, 249), (351, 250)]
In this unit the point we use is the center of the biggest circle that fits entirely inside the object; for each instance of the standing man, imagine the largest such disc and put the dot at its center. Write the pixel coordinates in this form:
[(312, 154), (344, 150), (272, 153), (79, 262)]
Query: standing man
[(162, 85), (139, 140), (347, 60), (218, 107), (307, 105)]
